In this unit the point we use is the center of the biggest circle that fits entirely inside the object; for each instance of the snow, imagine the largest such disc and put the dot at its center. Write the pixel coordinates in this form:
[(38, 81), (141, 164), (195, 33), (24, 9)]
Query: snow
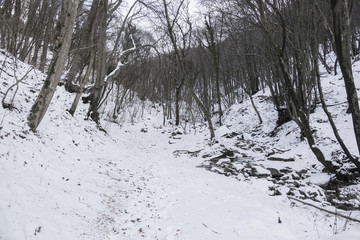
[(71, 181), (221, 131), (262, 171), (320, 179), (348, 235)]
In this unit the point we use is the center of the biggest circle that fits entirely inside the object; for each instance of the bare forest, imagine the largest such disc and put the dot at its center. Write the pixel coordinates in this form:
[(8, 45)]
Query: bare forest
[(192, 60)]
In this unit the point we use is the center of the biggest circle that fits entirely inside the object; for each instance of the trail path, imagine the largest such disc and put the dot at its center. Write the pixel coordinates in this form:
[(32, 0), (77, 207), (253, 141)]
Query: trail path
[(161, 196)]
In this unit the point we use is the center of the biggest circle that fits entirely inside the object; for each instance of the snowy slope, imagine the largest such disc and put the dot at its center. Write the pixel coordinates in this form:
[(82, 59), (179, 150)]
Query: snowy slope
[(71, 181)]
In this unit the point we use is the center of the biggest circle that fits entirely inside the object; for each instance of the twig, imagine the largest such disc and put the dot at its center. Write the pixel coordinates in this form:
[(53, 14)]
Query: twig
[(211, 229), (346, 222), (325, 210), (107, 174), (17, 81)]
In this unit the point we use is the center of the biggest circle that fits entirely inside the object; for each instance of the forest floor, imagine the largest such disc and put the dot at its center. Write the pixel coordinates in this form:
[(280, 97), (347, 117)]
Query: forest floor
[(146, 181)]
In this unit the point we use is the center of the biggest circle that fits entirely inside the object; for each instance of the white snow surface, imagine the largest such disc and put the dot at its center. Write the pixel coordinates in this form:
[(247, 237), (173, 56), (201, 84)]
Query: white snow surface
[(71, 181), (319, 179)]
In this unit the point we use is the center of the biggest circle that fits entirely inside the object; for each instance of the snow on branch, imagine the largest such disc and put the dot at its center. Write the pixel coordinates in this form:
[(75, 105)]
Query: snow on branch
[(127, 51), (120, 64)]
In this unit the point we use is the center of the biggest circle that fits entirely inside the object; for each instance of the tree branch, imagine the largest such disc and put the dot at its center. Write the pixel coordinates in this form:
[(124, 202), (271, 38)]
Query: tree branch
[(325, 210)]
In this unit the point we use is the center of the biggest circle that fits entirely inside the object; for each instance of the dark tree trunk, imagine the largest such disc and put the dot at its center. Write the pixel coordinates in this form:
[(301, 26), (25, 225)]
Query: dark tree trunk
[(81, 55), (100, 63), (177, 105), (29, 30), (62, 46)]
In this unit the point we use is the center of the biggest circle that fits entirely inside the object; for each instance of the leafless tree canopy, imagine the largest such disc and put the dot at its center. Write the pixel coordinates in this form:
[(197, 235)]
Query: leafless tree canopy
[(194, 67)]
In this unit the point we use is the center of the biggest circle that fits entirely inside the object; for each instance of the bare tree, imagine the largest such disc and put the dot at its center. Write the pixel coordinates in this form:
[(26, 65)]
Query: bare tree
[(100, 62), (213, 38), (296, 79), (62, 45), (170, 24), (83, 46), (10, 104), (341, 12), (315, 58)]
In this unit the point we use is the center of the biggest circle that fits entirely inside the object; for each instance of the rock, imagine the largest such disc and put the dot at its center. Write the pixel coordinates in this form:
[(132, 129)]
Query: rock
[(258, 149), (285, 178), (225, 154), (228, 153), (320, 179), (279, 159), (290, 193), (301, 172), (281, 182), (286, 170), (304, 194), (230, 135), (22, 136), (218, 170), (223, 160), (244, 155), (176, 133), (275, 191), (235, 159), (275, 173), (295, 176), (261, 172), (294, 184), (268, 154)]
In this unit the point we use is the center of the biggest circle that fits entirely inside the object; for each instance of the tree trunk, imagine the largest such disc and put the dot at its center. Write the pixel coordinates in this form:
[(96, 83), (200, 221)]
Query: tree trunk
[(100, 64), (84, 47), (341, 26), (45, 47), (177, 105), (29, 29), (61, 49), (40, 30), (213, 47), (82, 84), (316, 56), (332, 123), (302, 120), (15, 28), (255, 108)]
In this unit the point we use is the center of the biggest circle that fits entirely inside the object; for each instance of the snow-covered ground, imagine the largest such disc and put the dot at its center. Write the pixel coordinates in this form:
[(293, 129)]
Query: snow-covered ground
[(71, 181)]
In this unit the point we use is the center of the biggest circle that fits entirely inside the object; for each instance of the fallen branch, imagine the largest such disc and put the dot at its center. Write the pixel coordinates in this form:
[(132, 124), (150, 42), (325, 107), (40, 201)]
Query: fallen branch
[(325, 210)]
